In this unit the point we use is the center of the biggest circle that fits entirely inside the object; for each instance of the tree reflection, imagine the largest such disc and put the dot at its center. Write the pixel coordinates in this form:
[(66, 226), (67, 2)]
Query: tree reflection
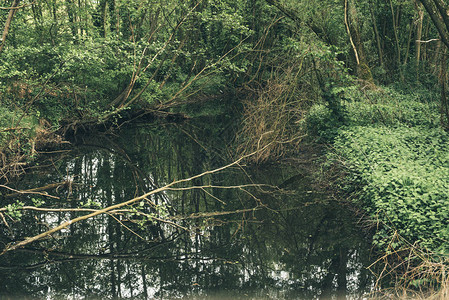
[(299, 246)]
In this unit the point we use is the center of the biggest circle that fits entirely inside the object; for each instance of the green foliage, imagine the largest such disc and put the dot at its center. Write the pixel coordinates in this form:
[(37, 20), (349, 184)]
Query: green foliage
[(74, 74), (78, 64), (14, 210), (389, 107), (38, 202), (402, 175), (7, 117), (78, 59), (15, 138), (91, 204), (397, 163), (384, 106), (320, 123)]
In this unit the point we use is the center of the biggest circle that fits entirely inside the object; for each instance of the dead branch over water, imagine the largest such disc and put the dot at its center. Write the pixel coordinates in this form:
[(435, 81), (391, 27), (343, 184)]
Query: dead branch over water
[(114, 208)]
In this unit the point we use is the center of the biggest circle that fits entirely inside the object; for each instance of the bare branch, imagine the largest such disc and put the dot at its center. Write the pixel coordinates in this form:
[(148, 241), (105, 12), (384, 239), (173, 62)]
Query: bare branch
[(428, 41)]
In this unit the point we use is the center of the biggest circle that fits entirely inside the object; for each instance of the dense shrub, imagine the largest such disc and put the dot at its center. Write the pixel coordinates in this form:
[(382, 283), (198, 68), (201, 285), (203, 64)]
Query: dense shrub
[(319, 123)]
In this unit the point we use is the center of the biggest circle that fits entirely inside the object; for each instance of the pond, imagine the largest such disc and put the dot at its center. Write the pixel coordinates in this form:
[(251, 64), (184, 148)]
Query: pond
[(236, 240)]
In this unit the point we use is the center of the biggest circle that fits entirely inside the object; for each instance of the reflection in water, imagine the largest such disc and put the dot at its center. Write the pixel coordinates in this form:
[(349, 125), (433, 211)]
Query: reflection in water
[(282, 245)]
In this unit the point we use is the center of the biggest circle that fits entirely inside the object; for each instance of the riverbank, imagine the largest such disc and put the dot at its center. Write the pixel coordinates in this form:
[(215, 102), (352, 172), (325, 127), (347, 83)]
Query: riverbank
[(392, 160)]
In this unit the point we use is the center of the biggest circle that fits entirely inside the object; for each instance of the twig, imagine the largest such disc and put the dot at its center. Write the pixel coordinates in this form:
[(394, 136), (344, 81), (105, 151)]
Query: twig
[(4, 220), (14, 128), (126, 227), (219, 213), (44, 209), (218, 187), (349, 33), (29, 192), (39, 189)]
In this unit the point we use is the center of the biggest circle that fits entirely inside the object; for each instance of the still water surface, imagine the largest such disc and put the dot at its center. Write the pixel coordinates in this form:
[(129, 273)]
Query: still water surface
[(293, 244)]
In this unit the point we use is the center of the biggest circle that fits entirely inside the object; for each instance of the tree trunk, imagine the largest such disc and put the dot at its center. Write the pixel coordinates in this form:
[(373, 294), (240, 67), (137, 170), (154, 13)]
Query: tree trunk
[(72, 17), (409, 40), (437, 11), (376, 33), (443, 79), (420, 10), (395, 20), (100, 18), (352, 28), (11, 14), (356, 54)]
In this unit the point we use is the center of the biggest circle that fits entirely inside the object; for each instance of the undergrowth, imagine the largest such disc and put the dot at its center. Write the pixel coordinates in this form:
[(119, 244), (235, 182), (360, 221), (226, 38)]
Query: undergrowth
[(393, 159), (404, 178), (20, 138)]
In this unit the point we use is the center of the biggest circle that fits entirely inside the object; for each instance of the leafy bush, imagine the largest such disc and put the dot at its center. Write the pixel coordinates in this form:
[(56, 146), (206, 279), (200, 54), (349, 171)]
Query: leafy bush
[(320, 123), (9, 120)]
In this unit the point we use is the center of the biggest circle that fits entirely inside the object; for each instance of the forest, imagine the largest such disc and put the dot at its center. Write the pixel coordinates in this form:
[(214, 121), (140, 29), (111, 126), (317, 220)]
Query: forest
[(356, 87)]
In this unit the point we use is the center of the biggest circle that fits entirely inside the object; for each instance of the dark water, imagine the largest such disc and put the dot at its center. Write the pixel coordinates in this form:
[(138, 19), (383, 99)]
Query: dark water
[(293, 244)]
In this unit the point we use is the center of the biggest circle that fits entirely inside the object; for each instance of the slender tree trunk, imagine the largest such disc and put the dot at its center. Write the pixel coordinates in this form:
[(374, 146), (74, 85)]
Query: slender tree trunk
[(425, 34), (398, 14), (376, 33), (420, 10), (100, 18), (109, 15), (437, 58), (72, 17), (409, 40), (11, 14), (354, 48), (37, 19), (395, 19), (443, 80), (80, 19), (352, 28)]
